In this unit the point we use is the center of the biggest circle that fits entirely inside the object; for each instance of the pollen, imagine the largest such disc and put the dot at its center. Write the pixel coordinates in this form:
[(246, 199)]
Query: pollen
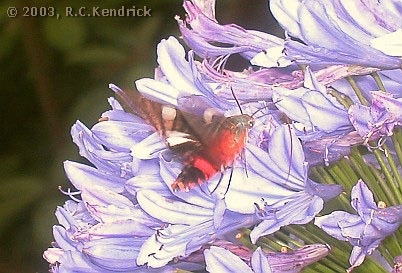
[(103, 119), (381, 205)]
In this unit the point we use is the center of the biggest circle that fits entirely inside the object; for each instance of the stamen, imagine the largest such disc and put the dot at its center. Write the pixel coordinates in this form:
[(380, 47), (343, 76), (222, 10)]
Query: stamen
[(71, 194)]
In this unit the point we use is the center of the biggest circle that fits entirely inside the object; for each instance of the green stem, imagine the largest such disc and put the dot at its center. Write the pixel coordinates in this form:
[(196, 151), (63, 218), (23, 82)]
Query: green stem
[(347, 169), (323, 176), (396, 174), (286, 238), (244, 239), (398, 236), (385, 253), (357, 90), (327, 267), (366, 174), (378, 81), (326, 177), (392, 245), (340, 176), (388, 177), (397, 148), (372, 265), (380, 195), (342, 98), (316, 268)]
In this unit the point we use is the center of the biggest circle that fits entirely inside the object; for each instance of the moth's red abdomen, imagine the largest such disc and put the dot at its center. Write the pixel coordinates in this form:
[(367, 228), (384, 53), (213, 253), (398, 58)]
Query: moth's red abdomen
[(213, 158), (226, 147), (194, 173)]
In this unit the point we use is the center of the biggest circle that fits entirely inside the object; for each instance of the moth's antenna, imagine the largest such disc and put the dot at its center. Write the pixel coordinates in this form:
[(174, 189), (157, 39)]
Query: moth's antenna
[(237, 101), (260, 110)]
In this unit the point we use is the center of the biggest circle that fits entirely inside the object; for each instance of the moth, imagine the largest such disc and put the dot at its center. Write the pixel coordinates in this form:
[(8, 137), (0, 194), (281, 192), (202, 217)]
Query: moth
[(201, 137)]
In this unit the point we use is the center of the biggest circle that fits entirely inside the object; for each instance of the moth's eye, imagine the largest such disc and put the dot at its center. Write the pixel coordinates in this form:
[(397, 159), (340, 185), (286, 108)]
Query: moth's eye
[(251, 123)]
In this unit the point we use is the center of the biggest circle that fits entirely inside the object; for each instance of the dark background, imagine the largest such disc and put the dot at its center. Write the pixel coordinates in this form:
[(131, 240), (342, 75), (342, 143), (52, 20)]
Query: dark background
[(54, 72)]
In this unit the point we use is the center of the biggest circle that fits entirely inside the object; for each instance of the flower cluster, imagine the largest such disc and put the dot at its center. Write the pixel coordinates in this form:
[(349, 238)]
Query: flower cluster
[(331, 85)]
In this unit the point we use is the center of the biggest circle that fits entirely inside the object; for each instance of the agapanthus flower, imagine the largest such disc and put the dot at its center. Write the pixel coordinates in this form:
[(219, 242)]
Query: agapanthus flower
[(330, 127), (221, 260), (397, 268), (208, 38), (334, 32), (128, 193), (340, 32), (287, 175), (378, 120), (367, 229), (125, 215)]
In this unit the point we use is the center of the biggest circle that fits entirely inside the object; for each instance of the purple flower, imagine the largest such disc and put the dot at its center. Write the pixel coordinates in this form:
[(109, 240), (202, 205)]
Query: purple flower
[(135, 219), (332, 32), (224, 261), (312, 107), (378, 120), (321, 121), (128, 218), (363, 231), (206, 37), (341, 32), (328, 129), (397, 268), (197, 219), (298, 199), (85, 245)]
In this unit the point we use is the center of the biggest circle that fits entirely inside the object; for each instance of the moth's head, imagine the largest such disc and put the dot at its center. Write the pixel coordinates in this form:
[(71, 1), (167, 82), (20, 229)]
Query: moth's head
[(241, 122)]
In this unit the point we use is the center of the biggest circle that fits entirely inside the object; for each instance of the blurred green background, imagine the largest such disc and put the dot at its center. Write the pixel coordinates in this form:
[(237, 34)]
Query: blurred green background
[(54, 72)]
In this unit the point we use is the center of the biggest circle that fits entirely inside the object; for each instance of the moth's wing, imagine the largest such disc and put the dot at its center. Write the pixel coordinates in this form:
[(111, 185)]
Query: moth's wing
[(202, 118), (171, 123), (163, 117), (183, 144)]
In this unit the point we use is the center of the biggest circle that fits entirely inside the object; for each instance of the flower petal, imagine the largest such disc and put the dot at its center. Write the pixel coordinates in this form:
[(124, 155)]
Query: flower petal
[(222, 260)]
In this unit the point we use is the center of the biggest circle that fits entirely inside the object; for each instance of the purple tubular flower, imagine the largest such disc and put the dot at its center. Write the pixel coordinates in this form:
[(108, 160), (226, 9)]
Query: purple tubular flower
[(105, 231), (224, 261), (192, 220), (397, 268), (313, 107), (322, 122), (84, 245), (340, 32), (209, 39), (363, 231), (283, 164), (378, 120), (131, 218)]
